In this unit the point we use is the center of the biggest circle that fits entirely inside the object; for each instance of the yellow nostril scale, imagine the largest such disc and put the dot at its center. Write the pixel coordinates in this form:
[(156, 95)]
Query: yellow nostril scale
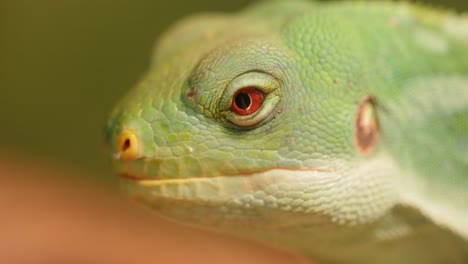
[(128, 145)]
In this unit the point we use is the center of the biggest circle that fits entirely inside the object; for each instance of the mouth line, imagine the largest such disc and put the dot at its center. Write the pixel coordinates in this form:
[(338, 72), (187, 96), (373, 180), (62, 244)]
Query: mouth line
[(131, 177), (220, 187)]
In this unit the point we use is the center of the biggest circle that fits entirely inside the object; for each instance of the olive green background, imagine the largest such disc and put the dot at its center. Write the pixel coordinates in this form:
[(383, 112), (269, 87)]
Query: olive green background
[(64, 63)]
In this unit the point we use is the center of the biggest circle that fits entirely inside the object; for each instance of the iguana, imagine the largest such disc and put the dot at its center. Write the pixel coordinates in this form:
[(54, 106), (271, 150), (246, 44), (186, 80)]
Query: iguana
[(338, 129)]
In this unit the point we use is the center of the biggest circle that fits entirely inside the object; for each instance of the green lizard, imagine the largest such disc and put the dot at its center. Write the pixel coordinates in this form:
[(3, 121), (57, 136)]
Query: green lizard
[(337, 129)]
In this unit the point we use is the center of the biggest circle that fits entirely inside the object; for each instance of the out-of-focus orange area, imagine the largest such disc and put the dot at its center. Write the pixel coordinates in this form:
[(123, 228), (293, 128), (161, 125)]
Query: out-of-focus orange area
[(44, 219)]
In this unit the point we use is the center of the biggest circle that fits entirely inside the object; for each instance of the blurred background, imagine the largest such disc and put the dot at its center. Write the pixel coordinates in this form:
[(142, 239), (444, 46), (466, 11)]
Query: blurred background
[(64, 63)]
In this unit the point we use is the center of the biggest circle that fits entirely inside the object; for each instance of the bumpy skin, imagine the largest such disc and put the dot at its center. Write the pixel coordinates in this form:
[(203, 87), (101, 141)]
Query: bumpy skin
[(294, 176)]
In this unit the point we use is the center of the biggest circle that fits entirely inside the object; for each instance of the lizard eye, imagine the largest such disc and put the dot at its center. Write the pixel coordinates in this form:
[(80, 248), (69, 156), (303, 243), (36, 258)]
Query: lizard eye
[(247, 101), (250, 98)]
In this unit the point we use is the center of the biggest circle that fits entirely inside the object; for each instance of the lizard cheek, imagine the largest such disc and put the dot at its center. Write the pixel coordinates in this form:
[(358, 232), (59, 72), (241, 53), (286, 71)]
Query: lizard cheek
[(127, 144)]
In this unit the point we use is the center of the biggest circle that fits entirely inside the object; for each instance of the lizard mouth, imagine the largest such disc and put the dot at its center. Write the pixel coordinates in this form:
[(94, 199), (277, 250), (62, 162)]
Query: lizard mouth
[(146, 169), (217, 187), (288, 170), (132, 177)]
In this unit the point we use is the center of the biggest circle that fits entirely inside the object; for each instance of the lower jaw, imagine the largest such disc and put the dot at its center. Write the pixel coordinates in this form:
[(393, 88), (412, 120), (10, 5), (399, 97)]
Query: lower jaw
[(216, 188)]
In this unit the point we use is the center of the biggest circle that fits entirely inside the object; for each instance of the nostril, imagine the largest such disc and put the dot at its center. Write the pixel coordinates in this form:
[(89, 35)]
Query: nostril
[(128, 146)]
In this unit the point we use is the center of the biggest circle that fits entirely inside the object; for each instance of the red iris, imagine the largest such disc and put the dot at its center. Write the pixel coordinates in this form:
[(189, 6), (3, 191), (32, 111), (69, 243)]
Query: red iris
[(247, 101)]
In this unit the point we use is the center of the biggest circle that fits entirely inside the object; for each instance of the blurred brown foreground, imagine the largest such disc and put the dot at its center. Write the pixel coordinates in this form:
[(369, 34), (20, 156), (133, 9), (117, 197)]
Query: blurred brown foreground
[(44, 219)]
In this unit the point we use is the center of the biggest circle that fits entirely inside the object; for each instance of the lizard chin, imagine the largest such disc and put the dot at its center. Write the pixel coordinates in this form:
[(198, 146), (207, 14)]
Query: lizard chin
[(202, 198), (264, 198)]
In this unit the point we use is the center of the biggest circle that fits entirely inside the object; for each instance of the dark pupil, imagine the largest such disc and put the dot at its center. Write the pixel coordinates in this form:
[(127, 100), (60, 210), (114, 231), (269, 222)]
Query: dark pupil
[(243, 100)]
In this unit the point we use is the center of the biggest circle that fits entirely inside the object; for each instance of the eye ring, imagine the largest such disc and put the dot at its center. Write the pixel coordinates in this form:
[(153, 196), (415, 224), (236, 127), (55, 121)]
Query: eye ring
[(247, 101), (250, 99)]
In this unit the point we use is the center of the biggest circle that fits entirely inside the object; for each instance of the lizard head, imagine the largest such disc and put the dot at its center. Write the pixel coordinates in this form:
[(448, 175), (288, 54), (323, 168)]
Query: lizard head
[(250, 122)]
